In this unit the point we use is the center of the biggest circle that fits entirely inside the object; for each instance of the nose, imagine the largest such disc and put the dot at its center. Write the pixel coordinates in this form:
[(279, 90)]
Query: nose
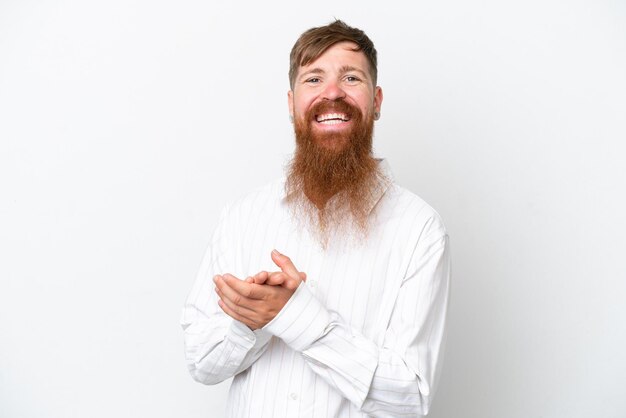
[(333, 91)]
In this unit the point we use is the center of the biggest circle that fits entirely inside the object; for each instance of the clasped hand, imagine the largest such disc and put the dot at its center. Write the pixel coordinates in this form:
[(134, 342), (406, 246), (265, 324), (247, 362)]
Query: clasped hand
[(258, 299)]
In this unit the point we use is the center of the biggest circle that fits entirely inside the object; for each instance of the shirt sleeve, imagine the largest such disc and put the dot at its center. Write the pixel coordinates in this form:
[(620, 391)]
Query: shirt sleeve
[(217, 347), (399, 377)]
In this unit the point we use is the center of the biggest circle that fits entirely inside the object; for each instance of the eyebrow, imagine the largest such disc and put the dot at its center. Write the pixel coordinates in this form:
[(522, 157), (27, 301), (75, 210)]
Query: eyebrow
[(312, 71), (349, 68)]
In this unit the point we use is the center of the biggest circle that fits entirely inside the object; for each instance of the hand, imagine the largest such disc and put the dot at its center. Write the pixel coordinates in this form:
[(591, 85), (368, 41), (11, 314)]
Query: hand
[(276, 278), (253, 304)]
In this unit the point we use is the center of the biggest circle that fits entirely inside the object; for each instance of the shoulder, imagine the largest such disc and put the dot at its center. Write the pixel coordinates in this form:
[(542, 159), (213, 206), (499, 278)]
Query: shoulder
[(414, 213)]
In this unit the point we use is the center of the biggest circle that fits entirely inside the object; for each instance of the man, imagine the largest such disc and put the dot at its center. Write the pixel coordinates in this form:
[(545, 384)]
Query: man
[(356, 329)]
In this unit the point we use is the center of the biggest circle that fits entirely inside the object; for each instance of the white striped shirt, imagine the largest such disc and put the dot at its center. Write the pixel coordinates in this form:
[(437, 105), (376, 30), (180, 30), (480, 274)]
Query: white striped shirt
[(362, 337)]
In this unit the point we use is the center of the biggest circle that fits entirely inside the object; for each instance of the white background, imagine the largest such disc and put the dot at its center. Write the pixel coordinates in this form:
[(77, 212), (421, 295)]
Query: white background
[(126, 125)]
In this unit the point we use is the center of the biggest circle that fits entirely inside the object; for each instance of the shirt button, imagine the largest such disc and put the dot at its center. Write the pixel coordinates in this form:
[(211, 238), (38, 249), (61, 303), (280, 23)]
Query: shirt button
[(312, 284), (293, 396)]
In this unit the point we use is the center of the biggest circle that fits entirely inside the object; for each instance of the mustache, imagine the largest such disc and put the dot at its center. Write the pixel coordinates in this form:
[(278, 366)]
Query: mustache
[(338, 105)]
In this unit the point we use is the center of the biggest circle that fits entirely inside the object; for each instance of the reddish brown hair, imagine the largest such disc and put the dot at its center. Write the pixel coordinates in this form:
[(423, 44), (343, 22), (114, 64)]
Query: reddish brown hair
[(315, 41)]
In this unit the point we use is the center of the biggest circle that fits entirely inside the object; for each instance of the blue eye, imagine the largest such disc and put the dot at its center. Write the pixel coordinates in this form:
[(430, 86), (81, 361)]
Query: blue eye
[(313, 80), (352, 79)]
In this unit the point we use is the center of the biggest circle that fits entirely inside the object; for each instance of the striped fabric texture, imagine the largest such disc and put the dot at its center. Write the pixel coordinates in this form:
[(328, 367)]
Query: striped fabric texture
[(363, 336)]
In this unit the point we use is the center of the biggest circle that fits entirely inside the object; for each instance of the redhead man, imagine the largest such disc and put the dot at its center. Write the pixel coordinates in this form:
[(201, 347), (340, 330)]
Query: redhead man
[(324, 294)]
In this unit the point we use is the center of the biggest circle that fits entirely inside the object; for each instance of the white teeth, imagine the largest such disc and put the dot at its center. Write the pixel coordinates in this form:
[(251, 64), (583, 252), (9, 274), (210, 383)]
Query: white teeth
[(332, 118)]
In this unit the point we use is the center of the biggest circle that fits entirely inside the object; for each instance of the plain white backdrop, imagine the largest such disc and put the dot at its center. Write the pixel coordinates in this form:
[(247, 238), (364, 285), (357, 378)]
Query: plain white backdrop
[(126, 125)]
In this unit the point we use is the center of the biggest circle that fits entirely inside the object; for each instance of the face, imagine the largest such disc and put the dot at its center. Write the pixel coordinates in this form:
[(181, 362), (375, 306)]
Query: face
[(330, 91)]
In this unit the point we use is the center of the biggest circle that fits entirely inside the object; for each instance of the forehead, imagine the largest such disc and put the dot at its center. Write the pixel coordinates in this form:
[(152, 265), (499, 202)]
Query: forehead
[(339, 55)]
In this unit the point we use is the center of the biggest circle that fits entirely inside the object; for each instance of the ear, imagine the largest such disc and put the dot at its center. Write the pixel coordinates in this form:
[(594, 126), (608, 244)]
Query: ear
[(290, 102), (378, 98)]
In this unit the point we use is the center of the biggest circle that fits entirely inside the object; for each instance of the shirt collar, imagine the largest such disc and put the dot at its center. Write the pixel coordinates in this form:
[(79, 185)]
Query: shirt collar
[(384, 182)]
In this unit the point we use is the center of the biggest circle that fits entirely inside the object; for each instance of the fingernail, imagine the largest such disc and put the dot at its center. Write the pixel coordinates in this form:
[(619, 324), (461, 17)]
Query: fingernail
[(275, 252)]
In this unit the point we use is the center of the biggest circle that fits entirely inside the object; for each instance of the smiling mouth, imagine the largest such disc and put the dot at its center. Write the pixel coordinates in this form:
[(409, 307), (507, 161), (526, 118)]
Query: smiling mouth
[(332, 118)]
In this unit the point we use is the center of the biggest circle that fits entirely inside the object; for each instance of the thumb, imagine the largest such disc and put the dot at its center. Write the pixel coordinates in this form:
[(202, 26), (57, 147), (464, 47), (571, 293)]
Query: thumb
[(285, 264)]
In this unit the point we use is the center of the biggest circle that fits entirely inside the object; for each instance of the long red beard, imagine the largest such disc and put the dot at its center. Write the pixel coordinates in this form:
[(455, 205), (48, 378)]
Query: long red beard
[(333, 178)]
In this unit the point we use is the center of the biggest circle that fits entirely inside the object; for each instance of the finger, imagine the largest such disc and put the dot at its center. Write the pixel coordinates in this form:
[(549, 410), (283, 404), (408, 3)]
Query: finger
[(249, 291), (260, 277), (224, 285), (276, 278), (237, 308), (279, 278), (291, 284), (285, 264), (303, 276), (228, 311)]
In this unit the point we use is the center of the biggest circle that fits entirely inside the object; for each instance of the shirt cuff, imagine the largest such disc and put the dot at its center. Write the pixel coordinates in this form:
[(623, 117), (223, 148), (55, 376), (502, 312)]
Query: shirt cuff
[(241, 335), (302, 320)]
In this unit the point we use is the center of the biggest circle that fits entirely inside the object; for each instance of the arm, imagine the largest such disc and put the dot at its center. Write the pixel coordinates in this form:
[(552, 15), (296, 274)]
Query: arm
[(397, 378), (216, 346)]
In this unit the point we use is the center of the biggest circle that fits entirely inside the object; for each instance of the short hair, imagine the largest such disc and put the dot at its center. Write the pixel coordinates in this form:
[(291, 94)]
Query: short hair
[(315, 41)]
